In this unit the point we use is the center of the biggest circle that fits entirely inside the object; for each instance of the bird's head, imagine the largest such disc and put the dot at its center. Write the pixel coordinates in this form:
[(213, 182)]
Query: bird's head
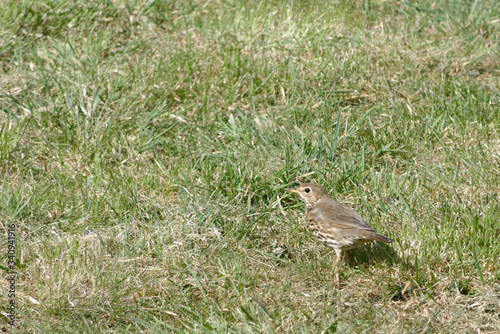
[(309, 192)]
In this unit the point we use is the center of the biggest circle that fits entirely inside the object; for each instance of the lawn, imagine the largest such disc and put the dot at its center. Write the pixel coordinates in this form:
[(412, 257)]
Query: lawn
[(145, 147)]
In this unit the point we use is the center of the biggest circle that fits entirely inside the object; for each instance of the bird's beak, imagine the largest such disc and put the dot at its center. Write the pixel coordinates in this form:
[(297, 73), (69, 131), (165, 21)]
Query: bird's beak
[(291, 190)]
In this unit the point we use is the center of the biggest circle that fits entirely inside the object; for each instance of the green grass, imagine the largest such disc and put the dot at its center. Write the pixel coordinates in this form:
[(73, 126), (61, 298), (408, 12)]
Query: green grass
[(145, 147)]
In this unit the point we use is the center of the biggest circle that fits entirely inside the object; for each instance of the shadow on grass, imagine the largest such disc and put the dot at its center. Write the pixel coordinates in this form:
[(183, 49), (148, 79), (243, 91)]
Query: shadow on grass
[(368, 255)]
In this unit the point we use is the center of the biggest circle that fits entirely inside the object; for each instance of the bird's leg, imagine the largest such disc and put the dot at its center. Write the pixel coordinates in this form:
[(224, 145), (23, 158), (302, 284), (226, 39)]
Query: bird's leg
[(336, 263), (339, 255), (347, 255)]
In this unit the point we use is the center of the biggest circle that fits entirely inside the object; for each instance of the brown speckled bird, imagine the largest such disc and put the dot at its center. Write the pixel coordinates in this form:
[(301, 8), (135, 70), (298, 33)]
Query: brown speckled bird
[(334, 224)]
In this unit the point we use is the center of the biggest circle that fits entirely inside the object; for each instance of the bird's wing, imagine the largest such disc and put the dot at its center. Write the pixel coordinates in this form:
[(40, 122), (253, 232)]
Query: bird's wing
[(334, 216), (345, 222)]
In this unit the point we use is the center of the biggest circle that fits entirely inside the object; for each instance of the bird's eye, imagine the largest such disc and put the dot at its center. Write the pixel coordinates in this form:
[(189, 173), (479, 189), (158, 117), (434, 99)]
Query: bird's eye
[(307, 190)]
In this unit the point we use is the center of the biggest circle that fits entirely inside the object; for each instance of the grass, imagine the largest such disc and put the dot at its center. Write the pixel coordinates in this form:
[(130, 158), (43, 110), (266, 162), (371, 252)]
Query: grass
[(145, 147)]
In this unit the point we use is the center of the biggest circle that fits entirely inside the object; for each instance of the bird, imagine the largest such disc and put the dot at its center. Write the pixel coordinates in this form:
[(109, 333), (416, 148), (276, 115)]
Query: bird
[(334, 224)]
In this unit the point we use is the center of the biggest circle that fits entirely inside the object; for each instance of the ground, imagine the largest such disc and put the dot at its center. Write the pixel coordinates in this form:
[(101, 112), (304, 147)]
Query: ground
[(145, 147)]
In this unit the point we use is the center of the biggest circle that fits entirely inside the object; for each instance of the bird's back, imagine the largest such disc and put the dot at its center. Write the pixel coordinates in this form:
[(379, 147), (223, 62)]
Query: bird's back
[(339, 226)]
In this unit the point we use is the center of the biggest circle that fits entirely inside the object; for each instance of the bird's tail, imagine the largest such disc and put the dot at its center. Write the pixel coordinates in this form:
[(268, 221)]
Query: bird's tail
[(381, 238)]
